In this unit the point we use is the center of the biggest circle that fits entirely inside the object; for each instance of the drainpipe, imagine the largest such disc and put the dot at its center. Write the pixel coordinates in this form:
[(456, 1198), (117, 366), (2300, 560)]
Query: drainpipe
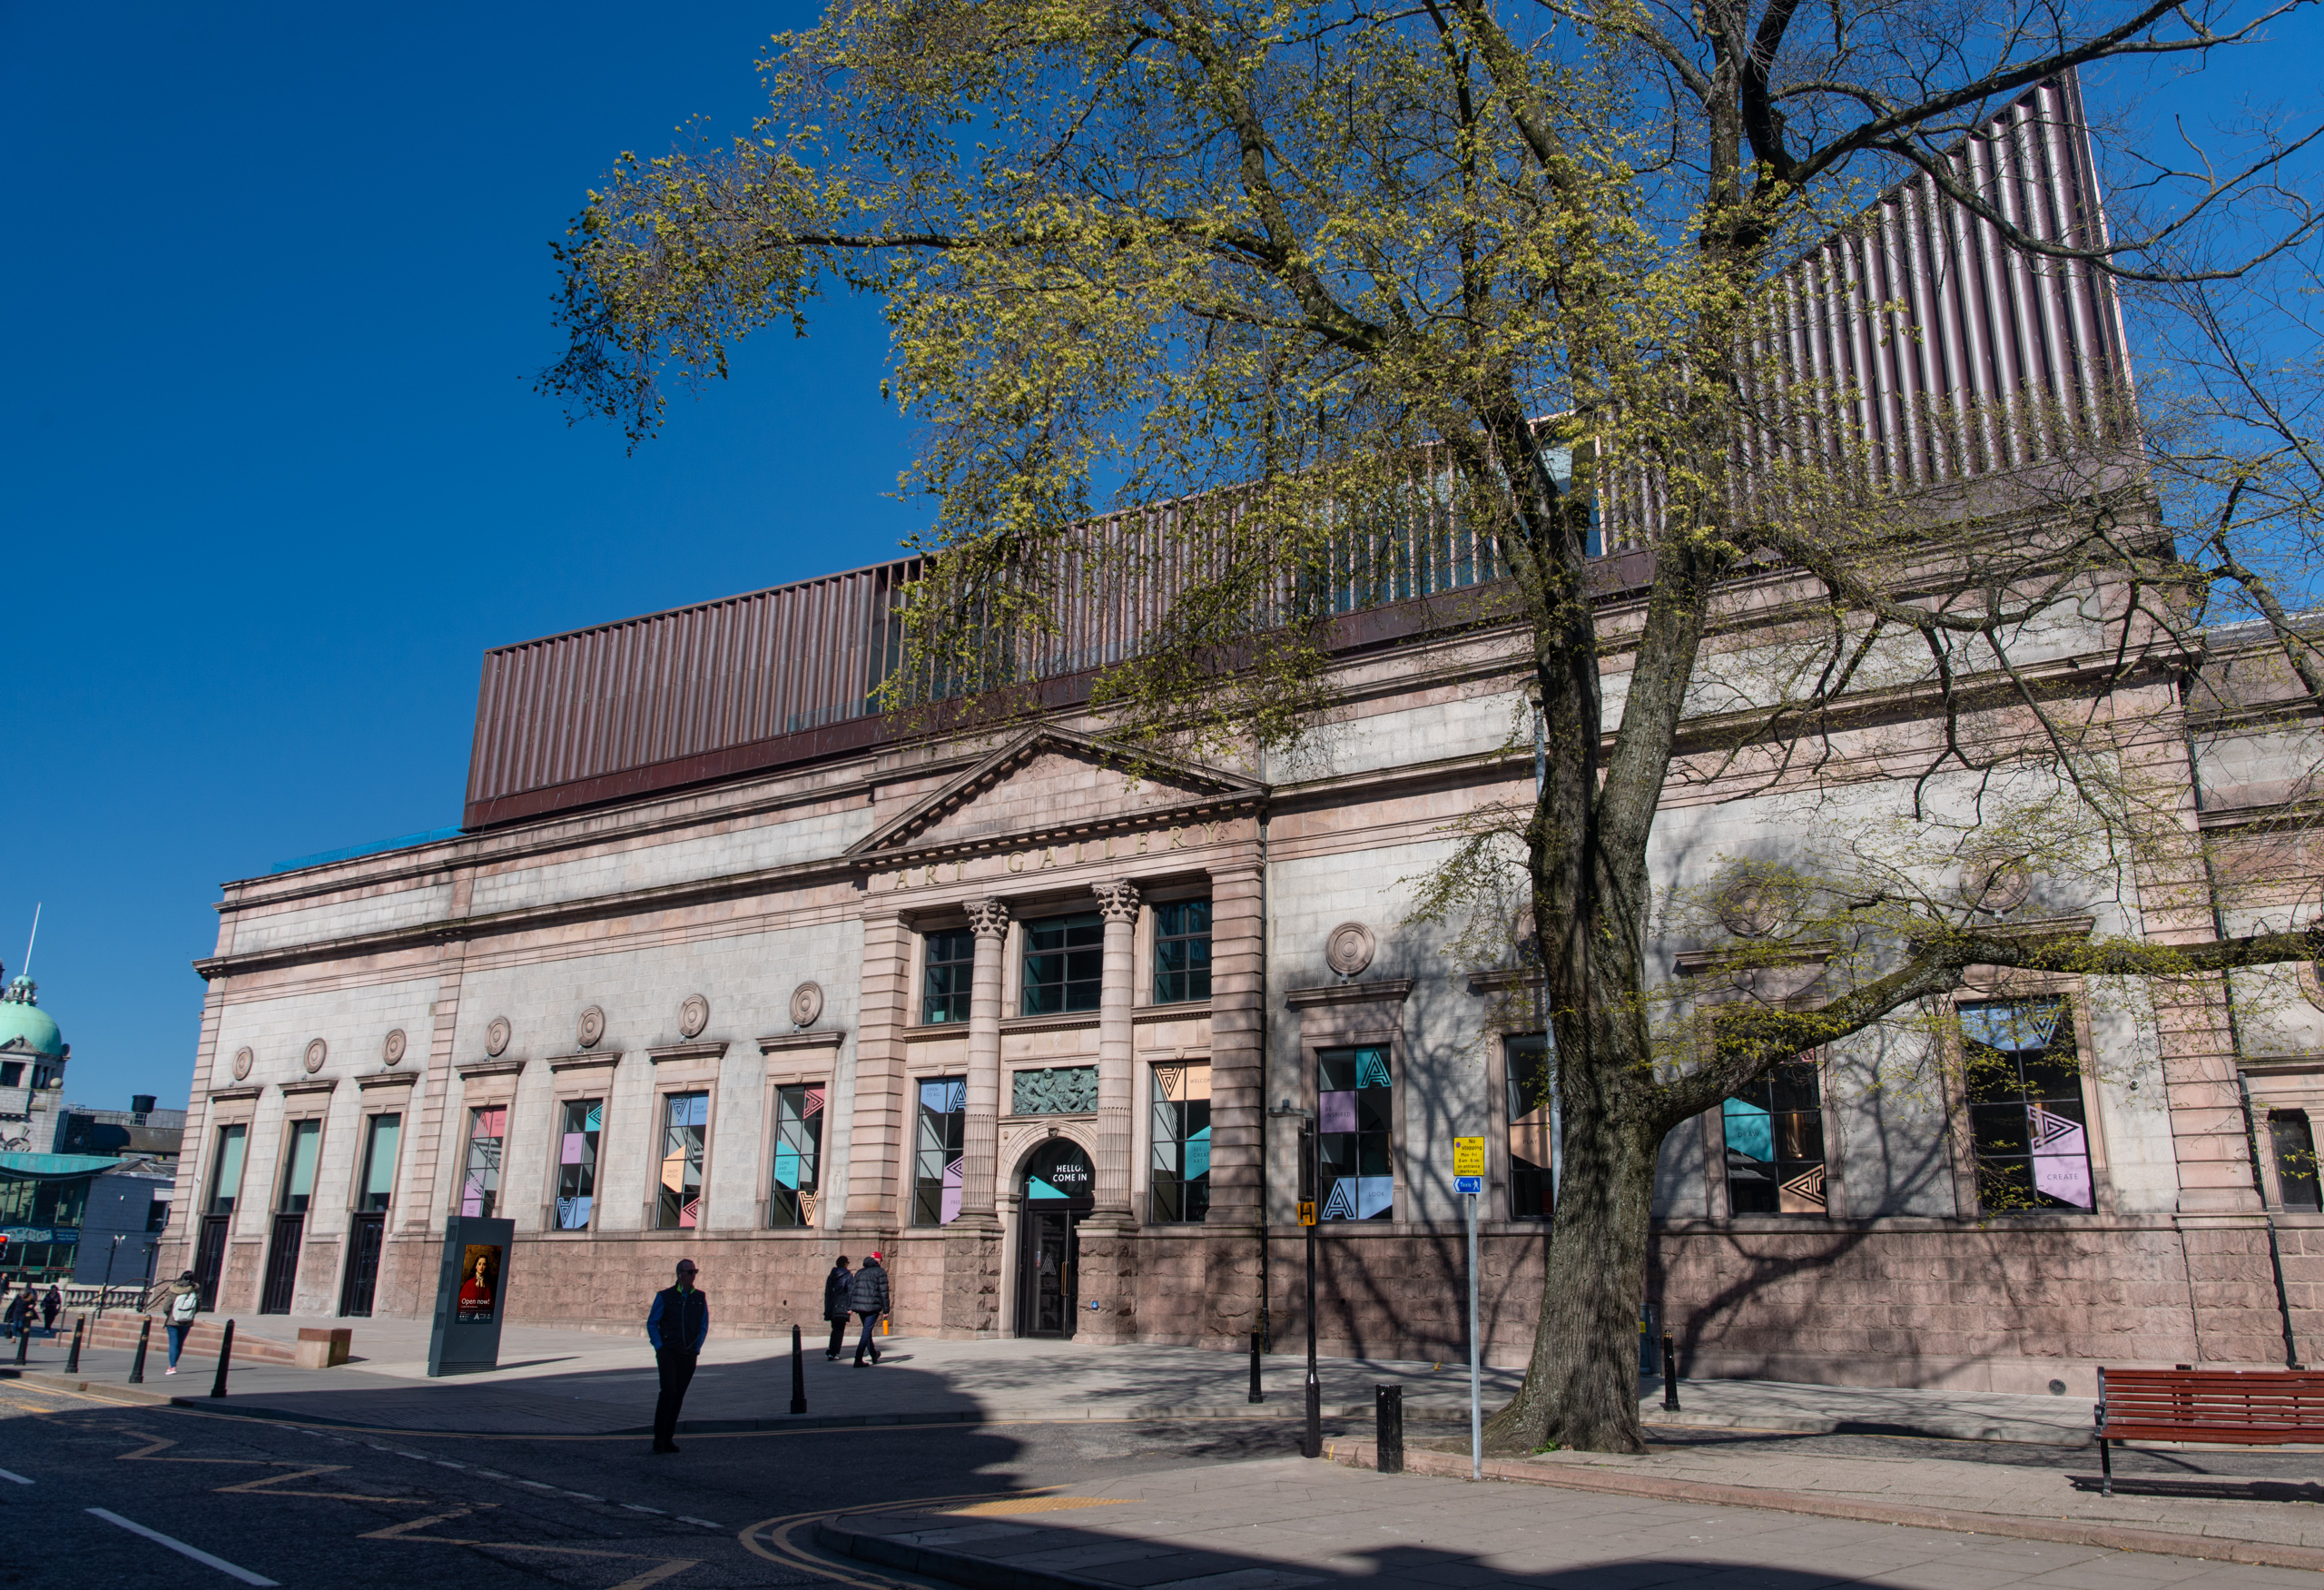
[(2235, 1043), (1266, 1321)]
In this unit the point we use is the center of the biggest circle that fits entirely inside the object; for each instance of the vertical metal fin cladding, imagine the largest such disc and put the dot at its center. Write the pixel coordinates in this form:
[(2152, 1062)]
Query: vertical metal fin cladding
[(1914, 335)]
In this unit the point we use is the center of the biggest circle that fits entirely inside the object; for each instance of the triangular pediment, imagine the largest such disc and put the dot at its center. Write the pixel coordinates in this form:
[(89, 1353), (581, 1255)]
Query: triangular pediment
[(1051, 780)]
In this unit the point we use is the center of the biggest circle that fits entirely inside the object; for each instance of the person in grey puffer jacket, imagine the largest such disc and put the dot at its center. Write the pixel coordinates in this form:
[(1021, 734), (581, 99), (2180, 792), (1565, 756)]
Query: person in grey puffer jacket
[(867, 1294)]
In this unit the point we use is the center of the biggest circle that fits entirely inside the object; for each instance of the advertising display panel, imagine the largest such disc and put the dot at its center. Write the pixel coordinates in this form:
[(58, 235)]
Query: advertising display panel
[(471, 1291)]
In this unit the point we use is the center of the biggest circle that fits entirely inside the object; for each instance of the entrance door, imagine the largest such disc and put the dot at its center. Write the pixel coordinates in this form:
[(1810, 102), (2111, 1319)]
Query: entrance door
[(283, 1265), (210, 1259), (1049, 1256), (362, 1265), (1058, 1192)]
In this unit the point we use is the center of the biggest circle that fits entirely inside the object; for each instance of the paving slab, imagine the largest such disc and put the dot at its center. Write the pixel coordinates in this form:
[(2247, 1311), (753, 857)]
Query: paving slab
[(557, 1381), (1445, 1533)]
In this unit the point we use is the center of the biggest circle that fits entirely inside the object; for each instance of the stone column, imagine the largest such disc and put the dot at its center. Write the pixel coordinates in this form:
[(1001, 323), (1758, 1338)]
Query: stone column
[(1237, 1104), (880, 1119), (980, 1135), (1118, 903)]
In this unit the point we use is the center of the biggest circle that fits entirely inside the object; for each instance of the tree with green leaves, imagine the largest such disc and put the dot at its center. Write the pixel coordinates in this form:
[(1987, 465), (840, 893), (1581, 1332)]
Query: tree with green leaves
[(1213, 302)]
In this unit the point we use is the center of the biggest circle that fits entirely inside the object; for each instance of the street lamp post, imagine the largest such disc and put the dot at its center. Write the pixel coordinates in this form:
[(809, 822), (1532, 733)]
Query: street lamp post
[(104, 1291)]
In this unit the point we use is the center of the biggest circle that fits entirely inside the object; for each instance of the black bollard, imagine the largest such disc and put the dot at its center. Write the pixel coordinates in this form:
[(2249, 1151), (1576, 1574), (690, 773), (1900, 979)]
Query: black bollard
[(1258, 1393), (1388, 1429), (137, 1369), (1669, 1373), (72, 1363), (798, 1374), (225, 1357)]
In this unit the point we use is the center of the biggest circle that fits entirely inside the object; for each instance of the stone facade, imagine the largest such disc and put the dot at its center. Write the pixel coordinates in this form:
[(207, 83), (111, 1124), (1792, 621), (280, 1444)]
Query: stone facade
[(450, 980)]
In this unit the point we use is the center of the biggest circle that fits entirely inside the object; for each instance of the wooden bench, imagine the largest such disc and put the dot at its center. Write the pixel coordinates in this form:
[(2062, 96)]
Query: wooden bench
[(2248, 1407)]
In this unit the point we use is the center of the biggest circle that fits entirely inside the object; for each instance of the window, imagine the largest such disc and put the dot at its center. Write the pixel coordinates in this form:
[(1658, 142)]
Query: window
[(2295, 1146), (42, 1203), (1533, 1129), (1181, 950), (1064, 965), (480, 1187), (381, 1134), (1774, 1143), (1180, 1172), (581, 1120), (226, 1169), (298, 1176), (944, 983), (936, 1160), (798, 1153), (1356, 1177), (12, 1075), (1059, 1089), (685, 1133), (157, 1215), (2025, 1110)]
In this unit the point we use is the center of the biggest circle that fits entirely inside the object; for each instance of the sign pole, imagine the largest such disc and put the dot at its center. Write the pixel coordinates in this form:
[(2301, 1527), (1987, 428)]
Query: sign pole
[(1476, 1388), (1469, 1169)]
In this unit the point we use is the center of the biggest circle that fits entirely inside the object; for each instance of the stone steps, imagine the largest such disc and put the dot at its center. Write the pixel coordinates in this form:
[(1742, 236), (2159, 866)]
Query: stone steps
[(120, 1330)]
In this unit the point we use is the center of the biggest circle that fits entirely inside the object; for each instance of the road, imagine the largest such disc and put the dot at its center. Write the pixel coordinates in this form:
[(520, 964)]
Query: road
[(307, 1505)]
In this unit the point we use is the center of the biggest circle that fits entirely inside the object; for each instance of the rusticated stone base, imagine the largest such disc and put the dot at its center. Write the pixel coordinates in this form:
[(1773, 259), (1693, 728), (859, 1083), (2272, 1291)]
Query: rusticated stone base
[(1995, 1306)]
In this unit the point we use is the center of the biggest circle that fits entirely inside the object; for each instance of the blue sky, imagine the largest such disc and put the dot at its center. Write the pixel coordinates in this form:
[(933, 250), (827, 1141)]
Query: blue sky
[(273, 474)]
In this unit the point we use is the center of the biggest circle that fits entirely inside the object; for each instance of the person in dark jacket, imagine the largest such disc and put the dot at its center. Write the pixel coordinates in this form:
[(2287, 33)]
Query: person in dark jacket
[(677, 1326), (835, 1290), (49, 1304), (867, 1294)]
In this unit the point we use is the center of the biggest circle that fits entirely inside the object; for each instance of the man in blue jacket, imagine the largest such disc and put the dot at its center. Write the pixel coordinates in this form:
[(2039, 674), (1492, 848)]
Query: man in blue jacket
[(677, 1326)]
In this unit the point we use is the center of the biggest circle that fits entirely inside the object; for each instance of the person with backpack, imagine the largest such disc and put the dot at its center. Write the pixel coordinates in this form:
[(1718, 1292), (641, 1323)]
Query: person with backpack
[(179, 1304), (835, 1307), (867, 1294)]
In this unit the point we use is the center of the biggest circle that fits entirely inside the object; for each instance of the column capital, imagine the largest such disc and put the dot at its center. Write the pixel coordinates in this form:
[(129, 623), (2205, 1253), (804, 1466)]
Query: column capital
[(1117, 902), (988, 918)]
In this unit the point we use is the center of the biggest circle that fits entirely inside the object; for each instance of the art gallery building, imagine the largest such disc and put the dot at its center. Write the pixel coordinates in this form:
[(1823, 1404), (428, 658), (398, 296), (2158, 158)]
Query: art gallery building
[(723, 964)]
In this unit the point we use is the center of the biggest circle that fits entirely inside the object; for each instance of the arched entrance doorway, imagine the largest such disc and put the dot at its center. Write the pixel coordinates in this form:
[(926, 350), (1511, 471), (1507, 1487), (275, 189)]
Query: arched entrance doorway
[(1059, 1188)]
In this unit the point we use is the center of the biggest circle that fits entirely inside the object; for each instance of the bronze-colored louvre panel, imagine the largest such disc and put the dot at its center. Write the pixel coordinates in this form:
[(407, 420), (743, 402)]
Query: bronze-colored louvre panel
[(1919, 338)]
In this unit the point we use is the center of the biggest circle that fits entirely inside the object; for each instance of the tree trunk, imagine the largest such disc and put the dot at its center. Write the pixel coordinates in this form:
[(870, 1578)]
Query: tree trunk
[(1581, 1387)]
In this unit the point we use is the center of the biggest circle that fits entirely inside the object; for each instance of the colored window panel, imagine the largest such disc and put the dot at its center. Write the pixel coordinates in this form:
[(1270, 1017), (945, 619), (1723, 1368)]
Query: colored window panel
[(1533, 1129), (299, 1174), (936, 1156), (480, 1184), (226, 1170), (1064, 965), (580, 1127), (1178, 1179), (2026, 1117), (949, 967), (798, 1154), (2295, 1146), (685, 1135), (1181, 950), (1356, 1176), (1774, 1143), (380, 1135)]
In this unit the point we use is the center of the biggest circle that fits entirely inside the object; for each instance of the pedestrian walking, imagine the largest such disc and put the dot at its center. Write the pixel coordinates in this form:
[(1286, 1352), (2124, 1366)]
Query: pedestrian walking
[(867, 1294), (49, 1306), (677, 1326), (835, 1309), (179, 1304)]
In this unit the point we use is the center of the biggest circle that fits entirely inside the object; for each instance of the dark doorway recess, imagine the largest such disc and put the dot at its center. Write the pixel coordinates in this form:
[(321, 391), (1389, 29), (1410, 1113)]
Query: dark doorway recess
[(1058, 1189), (283, 1265), (362, 1282)]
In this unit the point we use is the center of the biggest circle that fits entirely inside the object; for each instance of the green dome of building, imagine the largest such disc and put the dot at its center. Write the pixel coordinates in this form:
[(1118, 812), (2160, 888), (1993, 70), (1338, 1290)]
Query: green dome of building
[(25, 1029)]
